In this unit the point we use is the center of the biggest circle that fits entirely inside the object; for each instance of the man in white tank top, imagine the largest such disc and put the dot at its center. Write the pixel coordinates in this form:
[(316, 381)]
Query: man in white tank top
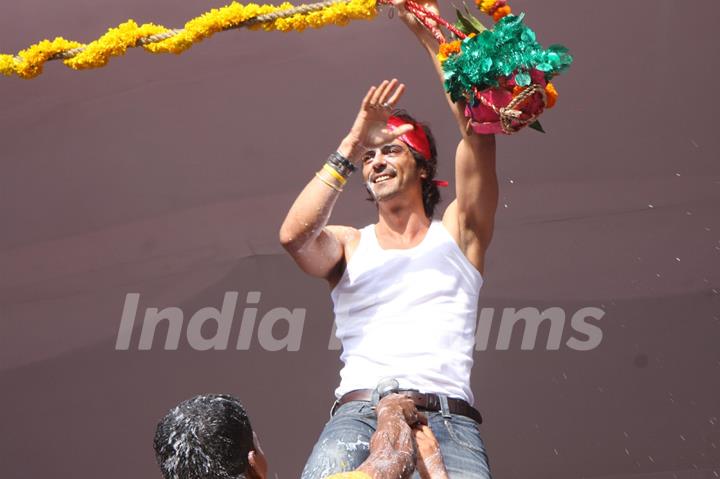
[(405, 289)]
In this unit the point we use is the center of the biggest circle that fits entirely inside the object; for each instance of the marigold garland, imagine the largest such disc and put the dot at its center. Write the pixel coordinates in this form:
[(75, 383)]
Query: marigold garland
[(114, 43), (29, 62), (33, 57)]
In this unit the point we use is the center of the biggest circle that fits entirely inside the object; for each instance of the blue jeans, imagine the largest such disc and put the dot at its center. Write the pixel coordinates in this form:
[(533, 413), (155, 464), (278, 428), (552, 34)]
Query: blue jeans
[(345, 442)]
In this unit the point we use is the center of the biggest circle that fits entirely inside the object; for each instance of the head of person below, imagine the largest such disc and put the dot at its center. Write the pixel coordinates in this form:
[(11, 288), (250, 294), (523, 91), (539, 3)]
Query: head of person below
[(210, 437)]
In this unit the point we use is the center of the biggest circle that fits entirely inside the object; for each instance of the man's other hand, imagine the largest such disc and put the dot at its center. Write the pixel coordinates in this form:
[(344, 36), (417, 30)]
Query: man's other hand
[(430, 464)]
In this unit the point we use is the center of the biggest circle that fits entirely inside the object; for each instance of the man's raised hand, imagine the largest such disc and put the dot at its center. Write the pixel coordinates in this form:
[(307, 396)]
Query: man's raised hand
[(414, 24), (370, 127)]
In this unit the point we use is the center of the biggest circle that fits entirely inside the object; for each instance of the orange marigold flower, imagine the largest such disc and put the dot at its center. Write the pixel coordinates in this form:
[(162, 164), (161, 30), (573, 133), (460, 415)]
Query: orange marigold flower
[(552, 95), (502, 12), (447, 49)]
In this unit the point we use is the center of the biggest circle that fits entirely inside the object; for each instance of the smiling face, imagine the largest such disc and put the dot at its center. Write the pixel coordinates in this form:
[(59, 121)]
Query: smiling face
[(391, 170)]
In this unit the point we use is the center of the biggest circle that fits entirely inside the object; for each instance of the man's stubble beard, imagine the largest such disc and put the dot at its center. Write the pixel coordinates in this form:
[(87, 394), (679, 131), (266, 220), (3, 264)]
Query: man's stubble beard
[(385, 193)]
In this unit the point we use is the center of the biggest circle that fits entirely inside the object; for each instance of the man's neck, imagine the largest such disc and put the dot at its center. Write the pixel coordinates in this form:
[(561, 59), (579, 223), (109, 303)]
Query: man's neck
[(402, 223)]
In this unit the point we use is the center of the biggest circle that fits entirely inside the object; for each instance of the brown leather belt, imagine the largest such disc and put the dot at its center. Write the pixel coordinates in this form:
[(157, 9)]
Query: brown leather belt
[(423, 401)]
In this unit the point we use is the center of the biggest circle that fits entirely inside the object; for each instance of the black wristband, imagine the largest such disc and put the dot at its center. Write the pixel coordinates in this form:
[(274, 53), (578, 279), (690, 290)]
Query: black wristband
[(342, 164)]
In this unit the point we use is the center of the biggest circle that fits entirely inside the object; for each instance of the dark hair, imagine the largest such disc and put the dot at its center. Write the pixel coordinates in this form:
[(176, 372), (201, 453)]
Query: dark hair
[(206, 437), (430, 191)]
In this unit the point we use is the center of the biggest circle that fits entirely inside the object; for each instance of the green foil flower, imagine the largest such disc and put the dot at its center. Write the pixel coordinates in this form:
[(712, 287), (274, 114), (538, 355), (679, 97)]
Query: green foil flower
[(509, 48)]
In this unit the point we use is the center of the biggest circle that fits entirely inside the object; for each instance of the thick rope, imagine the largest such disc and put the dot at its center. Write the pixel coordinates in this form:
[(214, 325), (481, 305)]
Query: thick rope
[(510, 113)]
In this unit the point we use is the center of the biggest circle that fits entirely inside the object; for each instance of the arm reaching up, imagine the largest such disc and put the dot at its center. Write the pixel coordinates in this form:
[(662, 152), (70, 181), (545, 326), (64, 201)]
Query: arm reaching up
[(431, 46), (319, 249), (470, 218)]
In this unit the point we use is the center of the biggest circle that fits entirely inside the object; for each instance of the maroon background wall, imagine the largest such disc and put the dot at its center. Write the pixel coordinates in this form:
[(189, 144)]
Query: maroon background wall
[(169, 176)]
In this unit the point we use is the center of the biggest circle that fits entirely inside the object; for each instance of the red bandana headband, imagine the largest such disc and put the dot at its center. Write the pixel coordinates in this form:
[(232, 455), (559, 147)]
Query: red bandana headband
[(415, 139)]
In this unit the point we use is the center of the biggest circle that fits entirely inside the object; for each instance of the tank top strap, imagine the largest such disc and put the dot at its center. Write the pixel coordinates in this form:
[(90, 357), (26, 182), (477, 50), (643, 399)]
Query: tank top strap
[(434, 236), (368, 239), (367, 245)]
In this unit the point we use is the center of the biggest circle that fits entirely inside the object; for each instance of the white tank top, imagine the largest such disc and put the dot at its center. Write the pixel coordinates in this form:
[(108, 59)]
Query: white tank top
[(408, 314)]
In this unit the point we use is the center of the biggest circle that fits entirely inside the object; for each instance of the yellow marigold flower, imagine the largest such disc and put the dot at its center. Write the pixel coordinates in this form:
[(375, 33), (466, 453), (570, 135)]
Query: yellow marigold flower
[(7, 65), (551, 94), (486, 6)]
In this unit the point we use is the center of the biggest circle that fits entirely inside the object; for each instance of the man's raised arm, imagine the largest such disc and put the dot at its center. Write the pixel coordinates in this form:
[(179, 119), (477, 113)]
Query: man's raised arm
[(470, 217), (317, 248)]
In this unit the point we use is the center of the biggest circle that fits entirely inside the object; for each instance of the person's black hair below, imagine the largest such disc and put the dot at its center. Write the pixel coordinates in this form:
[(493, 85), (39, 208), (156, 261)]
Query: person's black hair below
[(205, 437)]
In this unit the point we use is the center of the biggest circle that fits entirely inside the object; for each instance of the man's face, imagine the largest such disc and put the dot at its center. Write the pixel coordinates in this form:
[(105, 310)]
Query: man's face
[(390, 170)]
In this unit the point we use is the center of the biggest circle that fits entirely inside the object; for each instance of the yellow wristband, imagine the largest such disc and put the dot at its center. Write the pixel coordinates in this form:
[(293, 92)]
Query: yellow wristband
[(319, 177), (333, 172)]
